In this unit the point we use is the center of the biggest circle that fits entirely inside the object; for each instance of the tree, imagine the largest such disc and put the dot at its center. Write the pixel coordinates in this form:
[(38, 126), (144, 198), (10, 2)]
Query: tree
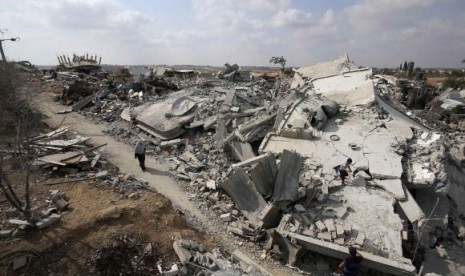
[(18, 115), (279, 60)]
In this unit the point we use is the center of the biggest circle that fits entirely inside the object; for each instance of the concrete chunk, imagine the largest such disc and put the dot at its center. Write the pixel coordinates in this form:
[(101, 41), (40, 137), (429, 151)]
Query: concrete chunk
[(226, 217), (371, 261), (287, 180), (339, 231), (347, 228), (269, 217), (360, 240), (245, 195), (321, 226), (324, 236), (171, 143), (46, 222), (330, 225), (184, 254), (264, 173), (6, 233)]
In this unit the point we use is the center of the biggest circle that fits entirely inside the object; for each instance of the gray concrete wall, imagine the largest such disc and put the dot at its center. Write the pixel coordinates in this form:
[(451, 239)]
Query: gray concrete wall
[(456, 180)]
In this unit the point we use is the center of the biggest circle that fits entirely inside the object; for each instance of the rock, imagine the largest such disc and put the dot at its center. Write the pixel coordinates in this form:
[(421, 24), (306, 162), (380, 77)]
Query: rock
[(128, 177), (4, 234), (48, 221), (134, 196), (101, 174), (19, 222), (226, 217), (61, 204)]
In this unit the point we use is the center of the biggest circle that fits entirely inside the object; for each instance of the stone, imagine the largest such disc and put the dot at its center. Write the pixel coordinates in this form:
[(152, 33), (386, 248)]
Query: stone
[(324, 236), (101, 174), (339, 241), (348, 228), (4, 234), (128, 177), (134, 195), (330, 225), (339, 231), (321, 226), (61, 204), (360, 240), (19, 222), (184, 254), (226, 217), (46, 222), (211, 184)]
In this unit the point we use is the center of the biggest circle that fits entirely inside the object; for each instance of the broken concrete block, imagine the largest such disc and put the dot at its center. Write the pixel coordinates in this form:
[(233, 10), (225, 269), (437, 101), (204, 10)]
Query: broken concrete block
[(171, 143), (101, 174), (211, 184), (184, 254), (235, 230), (321, 226), (287, 180), (19, 222), (330, 225), (324, 236), (4, 234), (245, 195), (264, 173), (339, 241), (48, 221), (269, 217), (360, 240), (61, 204), (348, 228), (339, 231), (226, 217)]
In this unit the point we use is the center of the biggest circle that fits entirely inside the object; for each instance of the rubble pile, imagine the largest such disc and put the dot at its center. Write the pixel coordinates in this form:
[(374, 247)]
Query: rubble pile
[(61, 154), (260, 155)]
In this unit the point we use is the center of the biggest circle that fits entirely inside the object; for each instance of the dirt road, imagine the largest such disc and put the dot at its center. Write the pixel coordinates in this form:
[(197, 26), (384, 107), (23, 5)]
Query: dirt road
[(119, 154)]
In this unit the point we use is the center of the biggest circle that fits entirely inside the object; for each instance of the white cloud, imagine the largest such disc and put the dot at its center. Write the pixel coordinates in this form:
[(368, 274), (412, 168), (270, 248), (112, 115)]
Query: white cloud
[(292, 18)]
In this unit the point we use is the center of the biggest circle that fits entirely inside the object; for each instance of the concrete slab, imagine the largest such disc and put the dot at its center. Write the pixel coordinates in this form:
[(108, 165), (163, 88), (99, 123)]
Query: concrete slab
[(241, 151), (350, 88), (391, 266), (156, 119), (410, 207), (400, 129), (245, 195), (392, 186), (287, 180), (372, 212), (264, 174)]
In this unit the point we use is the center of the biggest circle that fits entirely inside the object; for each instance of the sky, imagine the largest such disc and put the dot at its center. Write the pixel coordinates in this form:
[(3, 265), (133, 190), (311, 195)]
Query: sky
[(377, 33)]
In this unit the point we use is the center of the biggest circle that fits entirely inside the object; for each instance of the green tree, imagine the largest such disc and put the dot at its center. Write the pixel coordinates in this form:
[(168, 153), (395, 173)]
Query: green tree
[(279, 60)]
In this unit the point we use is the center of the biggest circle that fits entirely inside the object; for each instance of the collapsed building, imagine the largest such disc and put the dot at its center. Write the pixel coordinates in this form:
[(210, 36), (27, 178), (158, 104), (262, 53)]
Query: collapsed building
[(261, 155)]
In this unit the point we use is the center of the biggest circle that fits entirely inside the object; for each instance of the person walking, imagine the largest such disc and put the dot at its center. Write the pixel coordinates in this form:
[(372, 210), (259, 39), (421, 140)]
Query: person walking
[(140, 154), (344, 169), (352, 264)]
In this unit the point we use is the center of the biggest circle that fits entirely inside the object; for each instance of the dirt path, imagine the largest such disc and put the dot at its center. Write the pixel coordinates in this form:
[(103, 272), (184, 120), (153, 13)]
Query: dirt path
[(119, 154)]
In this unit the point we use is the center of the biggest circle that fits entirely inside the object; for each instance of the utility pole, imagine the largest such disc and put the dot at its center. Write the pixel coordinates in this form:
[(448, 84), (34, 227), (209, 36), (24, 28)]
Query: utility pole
[(1, 43)]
